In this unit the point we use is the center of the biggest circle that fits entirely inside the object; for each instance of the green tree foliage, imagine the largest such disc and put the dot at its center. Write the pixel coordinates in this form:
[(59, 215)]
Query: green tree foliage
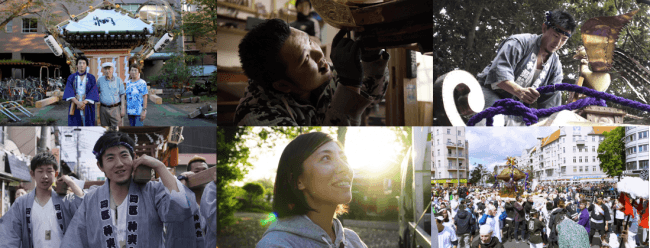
[(611, 152), (475, 174), (202, 24), (232, 165), (178, 72), (467, 34), (253, 190)]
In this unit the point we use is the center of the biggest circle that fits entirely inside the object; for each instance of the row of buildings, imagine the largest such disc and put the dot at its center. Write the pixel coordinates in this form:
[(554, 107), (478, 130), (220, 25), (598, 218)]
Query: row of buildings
[(568, 154), (571, 154)]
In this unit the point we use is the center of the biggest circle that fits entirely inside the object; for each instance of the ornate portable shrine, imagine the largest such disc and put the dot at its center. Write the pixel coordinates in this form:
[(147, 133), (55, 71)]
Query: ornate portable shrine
[(378, 23), (109, 33), (510, 175)]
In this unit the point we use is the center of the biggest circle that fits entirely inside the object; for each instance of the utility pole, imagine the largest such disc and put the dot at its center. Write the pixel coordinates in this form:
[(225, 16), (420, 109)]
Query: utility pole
[(78, 133)]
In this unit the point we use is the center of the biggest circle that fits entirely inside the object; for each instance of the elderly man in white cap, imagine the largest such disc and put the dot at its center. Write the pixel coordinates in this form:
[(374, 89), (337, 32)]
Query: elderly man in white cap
[(490, 219), (111, 97), (487, 239)]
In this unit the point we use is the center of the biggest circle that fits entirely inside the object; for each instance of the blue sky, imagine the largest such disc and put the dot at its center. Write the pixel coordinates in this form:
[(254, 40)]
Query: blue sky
[(491, 145)]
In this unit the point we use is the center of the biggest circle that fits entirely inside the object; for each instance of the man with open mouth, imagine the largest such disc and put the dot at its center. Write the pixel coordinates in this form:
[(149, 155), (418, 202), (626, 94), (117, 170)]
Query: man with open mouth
[(291, 83), (121, 212), (41, 218)]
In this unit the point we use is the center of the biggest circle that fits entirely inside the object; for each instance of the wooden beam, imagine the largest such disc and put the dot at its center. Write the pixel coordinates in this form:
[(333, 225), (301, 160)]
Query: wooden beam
[(54, 93), (47, 101), (155, 98), (201, 178), (237, 7)]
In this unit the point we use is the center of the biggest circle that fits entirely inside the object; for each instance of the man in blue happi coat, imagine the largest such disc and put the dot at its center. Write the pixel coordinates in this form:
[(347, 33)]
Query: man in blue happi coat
[(81, 91), (40, 218), (525, 62), (122, 213)]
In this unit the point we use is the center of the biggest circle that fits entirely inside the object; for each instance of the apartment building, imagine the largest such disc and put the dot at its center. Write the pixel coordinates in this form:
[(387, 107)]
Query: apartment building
[(449, 156), (568, 154), (636, 150)]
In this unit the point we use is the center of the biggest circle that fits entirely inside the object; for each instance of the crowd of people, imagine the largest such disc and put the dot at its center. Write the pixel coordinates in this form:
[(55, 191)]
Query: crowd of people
[(549, 215)]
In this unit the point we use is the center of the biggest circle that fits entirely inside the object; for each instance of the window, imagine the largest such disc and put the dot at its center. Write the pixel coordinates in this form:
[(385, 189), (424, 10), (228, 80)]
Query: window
[(580, 168), (643, 135), (459, 133), (634, 149), (574, 159), (30, 25), (448, 130), (594, 168), (593, 148), (631, 165), (593, 158), (574, 149), (439, 174), (575, 169), (643, 164), (10, 28), (449, 151), (189, 38), (438, 141), (449, 163), (643, 148), (580, 159), (437, 131), (448, 141), (564, 149), (438, 163), (438, 152), (131, 7), (565, 160), (563, 140), (593, 138)]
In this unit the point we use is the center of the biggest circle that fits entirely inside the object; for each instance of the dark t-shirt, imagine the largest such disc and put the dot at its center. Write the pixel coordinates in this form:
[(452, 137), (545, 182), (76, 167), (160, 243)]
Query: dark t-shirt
[(535, 228)]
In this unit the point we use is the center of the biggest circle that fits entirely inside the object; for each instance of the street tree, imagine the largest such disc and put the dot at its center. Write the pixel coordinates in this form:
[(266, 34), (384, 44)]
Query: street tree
[(611, 153), (476, 174), (15, 9)]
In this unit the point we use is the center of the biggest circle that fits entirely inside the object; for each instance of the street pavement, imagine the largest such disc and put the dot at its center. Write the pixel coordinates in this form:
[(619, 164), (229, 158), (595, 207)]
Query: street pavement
[(158, 115)]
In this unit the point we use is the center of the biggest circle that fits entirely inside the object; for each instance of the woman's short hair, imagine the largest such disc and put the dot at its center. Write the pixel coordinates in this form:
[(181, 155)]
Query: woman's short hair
[(288, 199)]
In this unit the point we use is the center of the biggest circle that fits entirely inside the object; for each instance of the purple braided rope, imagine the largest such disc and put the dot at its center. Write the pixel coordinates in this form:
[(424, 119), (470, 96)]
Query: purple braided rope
[(530, 116)]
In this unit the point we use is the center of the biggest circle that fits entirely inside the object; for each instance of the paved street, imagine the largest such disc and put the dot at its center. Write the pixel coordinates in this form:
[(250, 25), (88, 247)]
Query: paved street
[(158, 115)]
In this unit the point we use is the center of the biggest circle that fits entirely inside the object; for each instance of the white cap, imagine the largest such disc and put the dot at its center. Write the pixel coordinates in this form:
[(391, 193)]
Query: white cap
[(440, 218), (107, 64), (486, 229), (491, 207)]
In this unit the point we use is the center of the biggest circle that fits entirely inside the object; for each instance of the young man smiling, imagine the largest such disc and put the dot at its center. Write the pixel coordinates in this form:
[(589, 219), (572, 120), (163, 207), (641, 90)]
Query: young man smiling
[(291, 83), (527, 61), (122, 213), (41, 218)]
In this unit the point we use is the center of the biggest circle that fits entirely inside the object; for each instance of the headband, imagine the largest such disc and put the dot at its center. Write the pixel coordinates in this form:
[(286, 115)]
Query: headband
[(549, 24), (98, 154)]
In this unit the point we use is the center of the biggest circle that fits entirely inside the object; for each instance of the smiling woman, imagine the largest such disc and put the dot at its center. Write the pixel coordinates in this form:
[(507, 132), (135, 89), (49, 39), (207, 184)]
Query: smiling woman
[(313, 182)]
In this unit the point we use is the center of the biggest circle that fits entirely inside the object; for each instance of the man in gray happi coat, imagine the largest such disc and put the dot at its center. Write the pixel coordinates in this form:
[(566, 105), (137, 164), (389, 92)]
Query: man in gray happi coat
[(525, 62)]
